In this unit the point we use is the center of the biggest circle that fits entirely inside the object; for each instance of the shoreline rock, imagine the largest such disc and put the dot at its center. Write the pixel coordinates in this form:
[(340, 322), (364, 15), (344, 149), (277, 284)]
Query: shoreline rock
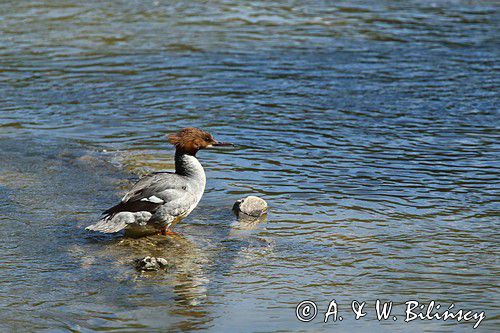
[(250, 208)]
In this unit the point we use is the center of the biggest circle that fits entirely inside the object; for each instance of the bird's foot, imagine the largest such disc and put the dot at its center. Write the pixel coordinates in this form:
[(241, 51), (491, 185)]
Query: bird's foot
[(166, 231)]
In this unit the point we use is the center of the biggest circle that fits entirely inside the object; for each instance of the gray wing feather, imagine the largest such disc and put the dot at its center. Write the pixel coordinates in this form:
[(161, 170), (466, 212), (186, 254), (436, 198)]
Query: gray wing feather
[(157, 184), (177, 202)]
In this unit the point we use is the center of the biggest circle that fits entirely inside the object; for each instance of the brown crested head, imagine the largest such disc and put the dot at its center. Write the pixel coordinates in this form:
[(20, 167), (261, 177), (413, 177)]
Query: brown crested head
[(190, 140)]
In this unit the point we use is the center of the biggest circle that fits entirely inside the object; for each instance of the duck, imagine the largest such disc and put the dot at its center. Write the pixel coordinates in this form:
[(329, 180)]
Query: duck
[(159, 200)]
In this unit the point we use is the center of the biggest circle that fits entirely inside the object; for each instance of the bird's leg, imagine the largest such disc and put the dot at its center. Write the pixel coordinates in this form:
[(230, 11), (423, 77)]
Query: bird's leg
[(170, 232), (166, 231)]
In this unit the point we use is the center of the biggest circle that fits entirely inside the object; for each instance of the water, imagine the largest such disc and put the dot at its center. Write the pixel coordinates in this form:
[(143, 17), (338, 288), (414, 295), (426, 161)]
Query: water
[(370, 127)]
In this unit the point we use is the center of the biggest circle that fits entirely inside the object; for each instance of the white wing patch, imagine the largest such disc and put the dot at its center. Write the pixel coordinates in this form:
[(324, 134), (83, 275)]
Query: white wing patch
[(153, 199)]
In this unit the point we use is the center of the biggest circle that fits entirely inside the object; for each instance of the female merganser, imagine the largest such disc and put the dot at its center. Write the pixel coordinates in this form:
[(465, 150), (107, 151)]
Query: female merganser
[(159, 200)]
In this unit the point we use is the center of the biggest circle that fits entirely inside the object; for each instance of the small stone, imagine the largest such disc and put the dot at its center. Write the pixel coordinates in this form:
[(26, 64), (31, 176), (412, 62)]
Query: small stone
[(162, 262), (150, 263), (251, 206)]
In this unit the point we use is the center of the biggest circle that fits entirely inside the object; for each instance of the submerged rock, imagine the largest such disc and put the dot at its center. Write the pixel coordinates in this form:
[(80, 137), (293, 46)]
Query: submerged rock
[(150, 264), (250, 208)]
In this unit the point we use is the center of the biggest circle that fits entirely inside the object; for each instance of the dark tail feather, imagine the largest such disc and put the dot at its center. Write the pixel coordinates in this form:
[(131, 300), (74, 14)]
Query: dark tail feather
[(133, 207)]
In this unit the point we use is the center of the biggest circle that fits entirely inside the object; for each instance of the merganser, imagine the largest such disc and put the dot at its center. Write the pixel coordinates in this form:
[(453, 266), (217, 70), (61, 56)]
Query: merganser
[(159, 200)]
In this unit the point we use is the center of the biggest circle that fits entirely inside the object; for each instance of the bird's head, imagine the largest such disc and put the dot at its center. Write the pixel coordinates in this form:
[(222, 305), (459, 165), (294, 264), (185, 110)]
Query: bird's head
[(189, 140)]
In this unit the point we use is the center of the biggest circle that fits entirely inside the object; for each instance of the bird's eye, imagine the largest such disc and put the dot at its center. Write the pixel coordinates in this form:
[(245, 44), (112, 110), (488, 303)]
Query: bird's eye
[(207, 139)]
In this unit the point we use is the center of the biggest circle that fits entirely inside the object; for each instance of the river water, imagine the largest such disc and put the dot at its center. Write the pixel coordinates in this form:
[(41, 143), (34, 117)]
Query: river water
[(370, 127)]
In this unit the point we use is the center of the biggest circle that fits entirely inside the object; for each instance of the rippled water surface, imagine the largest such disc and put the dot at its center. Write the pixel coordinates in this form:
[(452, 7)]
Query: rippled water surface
[(370, 127)]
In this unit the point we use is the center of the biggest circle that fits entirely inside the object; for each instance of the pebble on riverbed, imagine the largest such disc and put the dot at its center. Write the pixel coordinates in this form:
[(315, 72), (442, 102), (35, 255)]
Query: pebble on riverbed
[(250, 208), (150, 264)]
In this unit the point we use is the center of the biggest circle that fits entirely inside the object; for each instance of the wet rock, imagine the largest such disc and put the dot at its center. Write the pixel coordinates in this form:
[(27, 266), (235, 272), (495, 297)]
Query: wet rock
[(162, 261), (150, 264), (250, 208)]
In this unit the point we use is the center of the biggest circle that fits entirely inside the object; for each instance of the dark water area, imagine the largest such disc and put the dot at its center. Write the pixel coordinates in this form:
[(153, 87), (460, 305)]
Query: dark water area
[(370, 127)]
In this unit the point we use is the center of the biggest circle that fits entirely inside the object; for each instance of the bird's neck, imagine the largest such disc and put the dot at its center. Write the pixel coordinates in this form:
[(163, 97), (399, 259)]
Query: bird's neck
[(188, 165)]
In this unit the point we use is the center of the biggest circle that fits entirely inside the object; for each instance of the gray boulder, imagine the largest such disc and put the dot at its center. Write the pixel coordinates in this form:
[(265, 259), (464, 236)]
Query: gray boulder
[(251, 207)]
